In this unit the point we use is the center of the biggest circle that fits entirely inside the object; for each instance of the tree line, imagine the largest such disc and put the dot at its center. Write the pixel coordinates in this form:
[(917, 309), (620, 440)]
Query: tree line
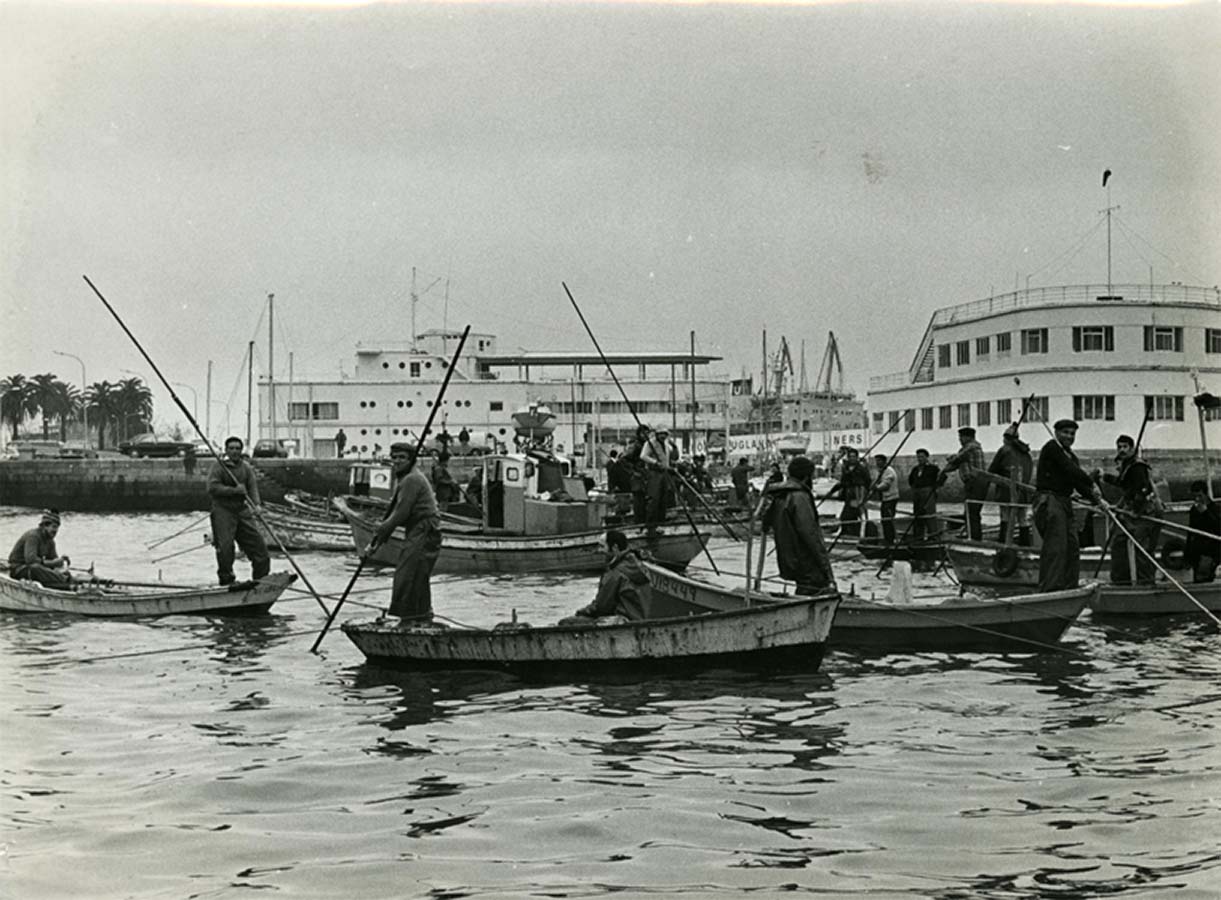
[(116, 411)]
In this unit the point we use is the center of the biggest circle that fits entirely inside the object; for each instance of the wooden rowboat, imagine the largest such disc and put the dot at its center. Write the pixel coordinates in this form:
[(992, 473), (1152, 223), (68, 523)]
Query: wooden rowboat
[(1161, 599), (1005, 566), (104, 599), (486, 554), (1016, 624), (779, 635)]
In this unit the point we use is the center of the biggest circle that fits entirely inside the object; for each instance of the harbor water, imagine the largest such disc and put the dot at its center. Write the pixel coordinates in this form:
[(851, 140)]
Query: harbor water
[(218, 758)]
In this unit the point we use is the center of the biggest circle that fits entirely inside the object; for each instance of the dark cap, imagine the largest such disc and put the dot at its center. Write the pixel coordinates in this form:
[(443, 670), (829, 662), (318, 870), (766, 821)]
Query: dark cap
[(1125, 439), (401, 445), (966, 431), (801, 467), (1065, 423)]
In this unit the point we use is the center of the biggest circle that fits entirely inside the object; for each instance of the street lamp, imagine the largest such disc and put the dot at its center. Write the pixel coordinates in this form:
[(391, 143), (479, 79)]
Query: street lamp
[(84, 382), (194, 400)]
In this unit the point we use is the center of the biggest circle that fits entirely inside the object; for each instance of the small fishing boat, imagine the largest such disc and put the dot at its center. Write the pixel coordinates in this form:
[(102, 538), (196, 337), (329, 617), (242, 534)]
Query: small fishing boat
[(1022, 623), (303, 530), (927, 552), (502, 554), (1160, 599), (1005, 566), (779, 635), (113, 598)]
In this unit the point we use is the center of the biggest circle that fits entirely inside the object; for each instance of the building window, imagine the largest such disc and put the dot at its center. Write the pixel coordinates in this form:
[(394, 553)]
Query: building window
[(415, 370), (909, 420), (298, 411), (1004, 411), (1212, 414), (1004, 343), (1093, 337), (983, 413), (879, 420), (1160, 408), (1034, 340), (1094, 406), (894, 418), (1212, 340), (962, 353), (926, 418), (943, 417), (943, 356), (964, 414), (496, 406), (1038, 409), (982, 346), (1164, 337)]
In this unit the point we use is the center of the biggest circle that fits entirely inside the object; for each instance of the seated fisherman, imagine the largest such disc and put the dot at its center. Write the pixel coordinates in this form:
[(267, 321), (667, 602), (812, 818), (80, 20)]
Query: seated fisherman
[(623, 589), (34, 556)]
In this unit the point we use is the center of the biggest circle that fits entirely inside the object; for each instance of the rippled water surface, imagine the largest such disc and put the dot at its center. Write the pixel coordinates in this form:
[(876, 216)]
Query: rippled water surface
[(187, 757)]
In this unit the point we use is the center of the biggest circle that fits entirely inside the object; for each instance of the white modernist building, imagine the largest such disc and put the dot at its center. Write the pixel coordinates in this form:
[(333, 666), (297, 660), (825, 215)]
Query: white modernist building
[(1100, 355), (391, 393)]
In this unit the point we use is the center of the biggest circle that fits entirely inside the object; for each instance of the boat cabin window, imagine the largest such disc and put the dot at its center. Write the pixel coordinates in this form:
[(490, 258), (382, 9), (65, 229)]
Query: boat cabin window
[(512, 473), (550, 476)]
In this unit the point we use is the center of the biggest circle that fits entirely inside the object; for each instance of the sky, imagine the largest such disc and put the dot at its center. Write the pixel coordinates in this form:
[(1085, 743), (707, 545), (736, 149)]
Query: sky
[(718, 168)]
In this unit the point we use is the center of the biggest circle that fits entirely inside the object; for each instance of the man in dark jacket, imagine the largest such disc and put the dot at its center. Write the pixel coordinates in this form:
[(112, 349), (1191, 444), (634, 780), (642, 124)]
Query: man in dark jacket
[(800, 551), (1057, 476), (853, 489), (740, 476), (35, 558), (1013, 463), (1203, 553), (623, 589), (1135, 480), (231, 486), (637, 477), (968, 462), (922, 479)]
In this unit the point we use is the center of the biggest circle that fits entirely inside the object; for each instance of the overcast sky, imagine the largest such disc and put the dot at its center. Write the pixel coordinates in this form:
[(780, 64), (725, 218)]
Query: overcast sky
[(719, 168)]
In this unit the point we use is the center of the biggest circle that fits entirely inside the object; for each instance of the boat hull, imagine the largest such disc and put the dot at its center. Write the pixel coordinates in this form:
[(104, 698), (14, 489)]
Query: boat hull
[(1162, 599), (789, 635), (31, 597), (1014, 624), (471, 554)]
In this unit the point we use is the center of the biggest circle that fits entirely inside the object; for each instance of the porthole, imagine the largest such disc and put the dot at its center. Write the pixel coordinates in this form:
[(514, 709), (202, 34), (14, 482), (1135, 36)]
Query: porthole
[(363, 404), (402, 365), (385, 365)]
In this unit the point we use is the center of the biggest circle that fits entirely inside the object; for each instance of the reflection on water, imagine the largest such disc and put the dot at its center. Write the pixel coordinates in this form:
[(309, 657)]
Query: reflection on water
[(221, 755)]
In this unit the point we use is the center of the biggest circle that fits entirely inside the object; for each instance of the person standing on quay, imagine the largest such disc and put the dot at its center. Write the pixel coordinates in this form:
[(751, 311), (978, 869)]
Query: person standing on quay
[(922, 479), (1057, 475), (341, 441), (887, 489), (230, 485), (800, 552), (414, 507), (968, 462)]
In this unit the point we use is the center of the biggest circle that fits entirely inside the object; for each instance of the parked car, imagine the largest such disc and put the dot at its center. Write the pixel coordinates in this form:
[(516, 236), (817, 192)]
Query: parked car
[(150, 446), (266, 448)]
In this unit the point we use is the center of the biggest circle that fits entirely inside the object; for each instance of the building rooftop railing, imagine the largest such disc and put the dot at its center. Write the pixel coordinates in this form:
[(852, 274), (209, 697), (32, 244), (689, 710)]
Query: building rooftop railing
[(1074, 294)]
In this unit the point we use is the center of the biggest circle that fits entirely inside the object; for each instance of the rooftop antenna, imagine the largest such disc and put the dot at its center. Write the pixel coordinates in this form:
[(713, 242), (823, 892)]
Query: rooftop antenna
[(1106, 176)]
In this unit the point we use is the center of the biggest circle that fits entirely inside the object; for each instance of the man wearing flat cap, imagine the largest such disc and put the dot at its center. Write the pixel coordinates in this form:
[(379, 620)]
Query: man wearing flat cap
[(970, 465), (1057, 476), (658, 455), (414, 508), (35, 558)]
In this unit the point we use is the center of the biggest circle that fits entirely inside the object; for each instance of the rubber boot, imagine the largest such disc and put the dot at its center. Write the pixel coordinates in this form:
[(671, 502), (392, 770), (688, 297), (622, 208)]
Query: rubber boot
[(1024, 536)]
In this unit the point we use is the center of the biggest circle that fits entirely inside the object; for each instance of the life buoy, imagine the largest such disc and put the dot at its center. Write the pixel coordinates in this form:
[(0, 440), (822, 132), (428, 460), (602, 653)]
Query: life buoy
[(1005, 562), (1172, 554)]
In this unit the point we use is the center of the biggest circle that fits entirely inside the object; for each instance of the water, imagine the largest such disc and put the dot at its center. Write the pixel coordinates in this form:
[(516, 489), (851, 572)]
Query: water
[(206, 758)]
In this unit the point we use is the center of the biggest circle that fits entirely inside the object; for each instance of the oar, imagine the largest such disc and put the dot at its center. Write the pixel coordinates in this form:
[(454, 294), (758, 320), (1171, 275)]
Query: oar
[(432, 413), (631, 408), (215, 455)]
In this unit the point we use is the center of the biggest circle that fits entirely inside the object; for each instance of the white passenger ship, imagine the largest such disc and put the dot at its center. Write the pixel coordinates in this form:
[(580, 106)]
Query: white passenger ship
[(391, 394), (1102, 355)]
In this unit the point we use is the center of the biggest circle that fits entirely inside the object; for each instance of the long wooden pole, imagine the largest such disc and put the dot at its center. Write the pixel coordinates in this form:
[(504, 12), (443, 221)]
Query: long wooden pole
[(207, 441), (419, 446)]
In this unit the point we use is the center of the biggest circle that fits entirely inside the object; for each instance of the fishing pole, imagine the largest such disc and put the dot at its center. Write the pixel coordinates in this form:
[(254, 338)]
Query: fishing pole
[(364, 557), (632, 409), (211, 449)]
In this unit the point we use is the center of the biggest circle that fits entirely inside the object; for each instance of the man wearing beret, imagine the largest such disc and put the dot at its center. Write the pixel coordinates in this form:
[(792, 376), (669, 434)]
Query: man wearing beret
[(970, 465), (35, 558), (414, 508), (1057, 476)]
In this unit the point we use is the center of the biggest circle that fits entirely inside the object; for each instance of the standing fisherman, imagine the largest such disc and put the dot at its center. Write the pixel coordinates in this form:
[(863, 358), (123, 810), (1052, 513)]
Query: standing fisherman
[(1203, 553), (969, 463), (1014, 463), (1135, 480), (800, 551), (1057, 475), (852, 488), (637, 477), (922, 479), (739, 475), (230, 486), (658, 456), (414, 507), (887, 489)]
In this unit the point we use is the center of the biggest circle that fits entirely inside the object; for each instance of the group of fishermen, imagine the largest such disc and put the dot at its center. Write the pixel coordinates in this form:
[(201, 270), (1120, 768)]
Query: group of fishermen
[(650, 469), (791, 516)]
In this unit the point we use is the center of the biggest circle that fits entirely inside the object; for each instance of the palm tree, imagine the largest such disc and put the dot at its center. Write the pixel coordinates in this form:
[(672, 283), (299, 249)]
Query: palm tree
[(43, 389), (67, 402), (100, 398), (16, 402), (134, 400)]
